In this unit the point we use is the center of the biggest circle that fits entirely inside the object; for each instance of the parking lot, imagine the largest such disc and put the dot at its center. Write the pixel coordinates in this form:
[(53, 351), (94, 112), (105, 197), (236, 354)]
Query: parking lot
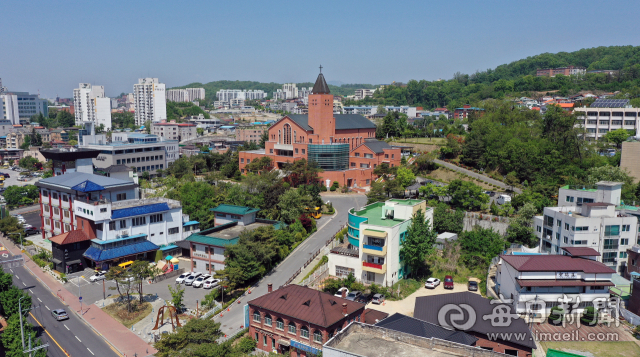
[(79, 284), (13, 179)]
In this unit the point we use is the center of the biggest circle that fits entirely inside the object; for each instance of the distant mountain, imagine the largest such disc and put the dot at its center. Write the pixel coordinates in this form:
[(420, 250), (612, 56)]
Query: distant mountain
[(335, 83)]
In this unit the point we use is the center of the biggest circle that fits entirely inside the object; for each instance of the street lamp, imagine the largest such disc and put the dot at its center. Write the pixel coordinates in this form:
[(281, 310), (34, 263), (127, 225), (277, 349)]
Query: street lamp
[(20, 239)]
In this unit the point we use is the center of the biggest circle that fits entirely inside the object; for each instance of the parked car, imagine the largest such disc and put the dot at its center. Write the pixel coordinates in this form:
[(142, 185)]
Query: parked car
[(432, 283), (210, 283), (490, 193), (31, 231), (100, 275), (503, 199), (354, 295), (448, 282), (181, 278), (364, 298), (378, 299), (200, 280), (473, 285), (189, 280), (59, 314), (339, 293)]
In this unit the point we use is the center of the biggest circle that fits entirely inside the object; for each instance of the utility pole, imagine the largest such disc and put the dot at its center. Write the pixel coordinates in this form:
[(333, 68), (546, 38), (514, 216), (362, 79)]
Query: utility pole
[(80, 295), (22, 331)]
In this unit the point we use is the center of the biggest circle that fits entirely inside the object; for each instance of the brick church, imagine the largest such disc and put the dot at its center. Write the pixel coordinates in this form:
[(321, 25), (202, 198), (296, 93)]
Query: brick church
[(343, 145)]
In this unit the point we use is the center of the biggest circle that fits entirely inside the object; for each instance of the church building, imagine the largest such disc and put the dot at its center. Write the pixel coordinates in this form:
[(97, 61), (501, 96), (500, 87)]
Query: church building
[(343, 145)]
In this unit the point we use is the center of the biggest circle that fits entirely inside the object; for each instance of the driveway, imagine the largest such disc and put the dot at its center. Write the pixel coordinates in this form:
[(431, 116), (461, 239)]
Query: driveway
[(407, 305)]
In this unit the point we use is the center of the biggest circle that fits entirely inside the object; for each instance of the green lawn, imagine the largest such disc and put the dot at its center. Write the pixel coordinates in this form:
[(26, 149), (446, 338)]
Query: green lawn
[(433, 141), (599, 349)]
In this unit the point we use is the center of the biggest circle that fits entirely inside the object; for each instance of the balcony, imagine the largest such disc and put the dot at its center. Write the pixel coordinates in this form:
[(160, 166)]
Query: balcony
[(374, 250), (374, 268)]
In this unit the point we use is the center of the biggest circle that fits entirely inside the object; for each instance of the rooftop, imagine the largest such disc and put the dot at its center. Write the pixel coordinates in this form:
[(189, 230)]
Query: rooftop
[(360, 339), (147, 201), (553, 262), (74, 236), (416, 327), (373, 212), (224, 235), (72, 179), (233, 209), (581, 251), (306, 304)]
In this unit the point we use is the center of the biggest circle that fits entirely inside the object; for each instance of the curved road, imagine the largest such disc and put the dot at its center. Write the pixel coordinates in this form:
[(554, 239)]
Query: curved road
[(327, 227)]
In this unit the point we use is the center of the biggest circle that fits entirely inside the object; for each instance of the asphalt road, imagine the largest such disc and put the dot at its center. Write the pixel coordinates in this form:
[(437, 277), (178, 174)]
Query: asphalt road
[(232, 320), (72, 335)]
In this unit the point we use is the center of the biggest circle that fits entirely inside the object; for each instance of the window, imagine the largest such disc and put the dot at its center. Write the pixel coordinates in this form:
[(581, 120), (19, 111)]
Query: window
[(264, 340), (558, 236), (54, 195), (99, 226), (548, 221), (623, 254), (173, 230), (241, 160), (608, 257), (279, 324), (626, 227), (610, 244), (65, 198), (257, 337), (386, 156), (566, 240), (155, 218), (138, 221), (302, 151), (569, 199), (559, 222), (580, 229), (67, 228), (357, 154), (123, 224), (56, 211), (121, 196), (368, 156), (292, 328), (57, 224), (624, 241), (566, 226), (66, 213), (112, 226), (304, 332), (353, 164), (256, 317), (317, 336), (271, 151), (194, 264), (267, 320), (556, 248), (539, 229), (612, 230), (103, 210)]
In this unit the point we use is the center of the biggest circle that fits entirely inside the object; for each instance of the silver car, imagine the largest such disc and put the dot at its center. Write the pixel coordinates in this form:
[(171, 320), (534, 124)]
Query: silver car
[(59, 314)]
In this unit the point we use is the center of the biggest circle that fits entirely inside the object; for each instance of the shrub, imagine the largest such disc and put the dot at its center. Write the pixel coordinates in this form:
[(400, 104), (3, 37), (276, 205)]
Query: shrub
[(557, 315), (333, 188), (589, 316), (159, 256), (323, 188), (247, 345), (336, 184)]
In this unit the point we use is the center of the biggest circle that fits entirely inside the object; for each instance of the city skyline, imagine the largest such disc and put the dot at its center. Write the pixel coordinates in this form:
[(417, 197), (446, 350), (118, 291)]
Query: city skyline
[(372, 42)]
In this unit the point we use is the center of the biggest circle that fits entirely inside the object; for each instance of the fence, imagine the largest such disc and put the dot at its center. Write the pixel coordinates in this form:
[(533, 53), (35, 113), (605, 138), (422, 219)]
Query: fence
[(166, 276), (630, 316), (322, 271), (486, 217), (213, 310)]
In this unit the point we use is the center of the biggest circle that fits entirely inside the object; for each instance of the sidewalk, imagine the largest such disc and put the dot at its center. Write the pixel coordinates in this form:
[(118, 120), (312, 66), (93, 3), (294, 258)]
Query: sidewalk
[(118, 336)]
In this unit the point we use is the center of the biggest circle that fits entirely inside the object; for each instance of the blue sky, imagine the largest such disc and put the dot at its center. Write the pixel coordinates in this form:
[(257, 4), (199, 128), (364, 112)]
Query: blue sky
[(51, 46)]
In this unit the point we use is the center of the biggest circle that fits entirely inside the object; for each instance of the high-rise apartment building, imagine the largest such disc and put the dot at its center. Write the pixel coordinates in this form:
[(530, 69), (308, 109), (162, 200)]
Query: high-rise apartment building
[(291, 90), (9, 103), (90, 104), (149, 100), (226, 95), (195, 93), (185, 95)]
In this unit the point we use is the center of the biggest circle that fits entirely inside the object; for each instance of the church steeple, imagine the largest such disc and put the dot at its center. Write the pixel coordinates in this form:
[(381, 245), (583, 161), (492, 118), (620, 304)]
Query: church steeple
[(321, 86)]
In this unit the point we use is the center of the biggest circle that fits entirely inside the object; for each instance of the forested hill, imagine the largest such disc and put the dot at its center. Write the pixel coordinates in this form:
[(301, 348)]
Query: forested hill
[(212, 87)]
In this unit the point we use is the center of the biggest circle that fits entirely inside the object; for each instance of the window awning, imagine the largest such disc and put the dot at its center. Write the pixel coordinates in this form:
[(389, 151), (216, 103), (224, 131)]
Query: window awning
[(72, 262), (284, 343), (56, 261), (374, 233)]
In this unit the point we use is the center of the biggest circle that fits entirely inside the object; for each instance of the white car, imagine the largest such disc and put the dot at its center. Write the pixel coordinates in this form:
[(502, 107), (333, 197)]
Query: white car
[(100, 275), (182, 278), (432, 283), (210, 283), (339, 293), (191, 278), (200, 280)]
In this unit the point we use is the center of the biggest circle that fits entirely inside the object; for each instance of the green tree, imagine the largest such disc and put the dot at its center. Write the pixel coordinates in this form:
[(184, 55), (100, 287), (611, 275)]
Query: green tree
[(26, 143), (264, 138), (195, 332), (124, 283), (29, 163), (140, 271), (376, 193), (292, 205), (9, 301), (405, 177), (467, 195), (17, 195), (418, 243), (64, 119), (447, 220), (520, 228), (200, 131), (617, 136), (480, 245), (177, 297)]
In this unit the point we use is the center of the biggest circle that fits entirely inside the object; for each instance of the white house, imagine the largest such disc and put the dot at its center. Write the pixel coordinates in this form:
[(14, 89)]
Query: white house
[(536, 282), (375, 235)]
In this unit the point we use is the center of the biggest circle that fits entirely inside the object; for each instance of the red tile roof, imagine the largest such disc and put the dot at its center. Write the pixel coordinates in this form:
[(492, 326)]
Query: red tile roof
[(555, 263), (74, 236), (313, 306), (562, 282), (581, 251)]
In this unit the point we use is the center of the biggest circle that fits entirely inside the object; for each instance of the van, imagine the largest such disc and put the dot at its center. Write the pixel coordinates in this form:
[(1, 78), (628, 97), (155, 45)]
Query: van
[(503, 199)]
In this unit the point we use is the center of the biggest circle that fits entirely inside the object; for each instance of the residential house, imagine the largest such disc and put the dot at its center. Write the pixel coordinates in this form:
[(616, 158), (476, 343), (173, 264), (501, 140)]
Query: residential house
[(67, 249)]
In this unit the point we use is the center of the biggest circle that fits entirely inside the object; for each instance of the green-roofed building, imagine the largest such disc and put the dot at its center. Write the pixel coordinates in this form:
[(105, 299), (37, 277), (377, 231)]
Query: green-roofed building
[(208, 246), (375, 235)]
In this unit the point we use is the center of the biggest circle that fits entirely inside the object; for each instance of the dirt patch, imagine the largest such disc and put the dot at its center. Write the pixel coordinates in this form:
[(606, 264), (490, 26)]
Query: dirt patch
[(118, 310), (593, 348), (444, 175)]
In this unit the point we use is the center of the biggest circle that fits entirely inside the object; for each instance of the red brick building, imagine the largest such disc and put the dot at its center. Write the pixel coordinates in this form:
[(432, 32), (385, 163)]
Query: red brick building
[(565, 71), (331, 140), (299, 320), (465, 111)]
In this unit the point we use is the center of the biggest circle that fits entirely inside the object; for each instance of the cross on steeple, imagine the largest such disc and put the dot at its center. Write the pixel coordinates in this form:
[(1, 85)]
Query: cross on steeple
[(320, 68)]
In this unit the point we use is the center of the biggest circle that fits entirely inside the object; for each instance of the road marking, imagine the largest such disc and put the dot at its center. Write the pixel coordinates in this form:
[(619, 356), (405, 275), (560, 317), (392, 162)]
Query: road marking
[(48, 334), (77, 338), (30, 291), (90, 351), (47, 307), (17, 277), (39, 299), (65, 326), (24, 283), (11, 270)]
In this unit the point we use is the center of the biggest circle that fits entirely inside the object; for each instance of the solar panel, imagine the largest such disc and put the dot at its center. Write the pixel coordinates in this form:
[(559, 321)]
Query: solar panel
[(610, 103)]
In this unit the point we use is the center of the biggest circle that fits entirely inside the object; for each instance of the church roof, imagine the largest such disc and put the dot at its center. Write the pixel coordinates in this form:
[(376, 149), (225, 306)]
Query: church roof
[(321, 86), (343, 121)]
